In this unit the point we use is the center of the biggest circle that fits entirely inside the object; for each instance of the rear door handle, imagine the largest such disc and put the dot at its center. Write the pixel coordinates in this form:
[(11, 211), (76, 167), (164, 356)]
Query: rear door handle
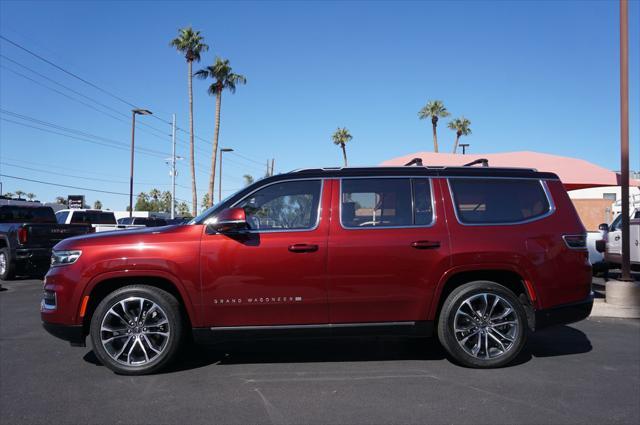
[(303, 247), (425, 244)]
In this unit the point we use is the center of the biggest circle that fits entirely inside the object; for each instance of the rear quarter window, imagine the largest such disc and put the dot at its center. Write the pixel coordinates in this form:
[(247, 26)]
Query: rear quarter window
[(498, 201)]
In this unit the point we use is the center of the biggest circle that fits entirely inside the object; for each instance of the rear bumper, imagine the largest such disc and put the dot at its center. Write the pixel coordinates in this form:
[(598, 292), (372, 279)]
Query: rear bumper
[(564, 314), (74, 334), (32, 260)]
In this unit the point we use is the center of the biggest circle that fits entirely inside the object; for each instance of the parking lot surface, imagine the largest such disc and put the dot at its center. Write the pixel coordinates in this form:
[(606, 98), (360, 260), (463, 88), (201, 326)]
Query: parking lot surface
[(584, 373)]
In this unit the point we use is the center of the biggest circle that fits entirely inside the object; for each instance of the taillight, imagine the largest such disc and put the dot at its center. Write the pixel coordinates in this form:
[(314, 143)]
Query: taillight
[(576, 241), (22, 235)]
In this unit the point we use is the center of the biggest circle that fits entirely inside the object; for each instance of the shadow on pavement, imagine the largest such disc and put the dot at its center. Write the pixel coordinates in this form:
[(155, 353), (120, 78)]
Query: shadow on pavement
[(557, 341)]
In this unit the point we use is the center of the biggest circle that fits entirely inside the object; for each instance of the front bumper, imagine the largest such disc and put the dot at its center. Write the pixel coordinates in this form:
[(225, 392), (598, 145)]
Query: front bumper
[(74, 334), (564, 314)]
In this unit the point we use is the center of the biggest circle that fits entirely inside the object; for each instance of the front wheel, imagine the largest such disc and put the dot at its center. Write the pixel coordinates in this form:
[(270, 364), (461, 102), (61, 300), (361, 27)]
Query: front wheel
[(7, 267), (482, 324), (137, 330)]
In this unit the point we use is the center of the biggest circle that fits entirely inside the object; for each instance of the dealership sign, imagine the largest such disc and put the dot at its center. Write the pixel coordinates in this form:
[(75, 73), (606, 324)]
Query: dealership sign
[(75, 201)]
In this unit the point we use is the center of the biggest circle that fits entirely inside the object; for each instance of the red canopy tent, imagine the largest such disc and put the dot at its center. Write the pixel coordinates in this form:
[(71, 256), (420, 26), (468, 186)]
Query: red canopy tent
[(575, 173)]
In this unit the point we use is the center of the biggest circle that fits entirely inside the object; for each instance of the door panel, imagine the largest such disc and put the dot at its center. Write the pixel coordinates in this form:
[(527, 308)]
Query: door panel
[(270, 276), (379, 272)]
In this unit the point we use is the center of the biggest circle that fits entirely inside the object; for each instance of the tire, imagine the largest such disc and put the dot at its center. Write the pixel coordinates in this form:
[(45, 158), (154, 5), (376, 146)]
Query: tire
[(484, 340), (150, 343), (7, 267)]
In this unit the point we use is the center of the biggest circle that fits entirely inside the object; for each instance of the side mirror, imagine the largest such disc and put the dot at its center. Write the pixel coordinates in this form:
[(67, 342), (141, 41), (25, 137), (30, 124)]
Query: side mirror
[(231, 220), (603, 227)]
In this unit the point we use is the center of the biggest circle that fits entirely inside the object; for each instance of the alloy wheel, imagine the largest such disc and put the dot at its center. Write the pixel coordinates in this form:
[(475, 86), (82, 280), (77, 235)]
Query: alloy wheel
[(3, 263), (486, 326), (135, 331)]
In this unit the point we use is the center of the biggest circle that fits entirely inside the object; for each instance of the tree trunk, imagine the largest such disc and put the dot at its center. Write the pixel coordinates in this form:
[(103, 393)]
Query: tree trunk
[(214, 154), (434, 121), (344, 153), (455, 145), (192, 159)]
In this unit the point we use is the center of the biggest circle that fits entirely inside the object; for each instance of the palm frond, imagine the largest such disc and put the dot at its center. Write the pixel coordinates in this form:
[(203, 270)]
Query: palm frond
[(341, 136), (433, 108)]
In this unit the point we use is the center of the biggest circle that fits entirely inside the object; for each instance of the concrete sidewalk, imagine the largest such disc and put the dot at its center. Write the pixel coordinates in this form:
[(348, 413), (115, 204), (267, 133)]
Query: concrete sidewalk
[(603, 309)]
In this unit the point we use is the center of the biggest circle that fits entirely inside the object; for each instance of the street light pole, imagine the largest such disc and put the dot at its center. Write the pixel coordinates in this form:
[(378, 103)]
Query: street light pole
[(134, 112), (464, 147), (624, 137), (220, 177)]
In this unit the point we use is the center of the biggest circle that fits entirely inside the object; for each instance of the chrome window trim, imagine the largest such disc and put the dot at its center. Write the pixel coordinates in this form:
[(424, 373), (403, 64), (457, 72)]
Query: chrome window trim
[(543, 184), (318, 217), (419, 226)]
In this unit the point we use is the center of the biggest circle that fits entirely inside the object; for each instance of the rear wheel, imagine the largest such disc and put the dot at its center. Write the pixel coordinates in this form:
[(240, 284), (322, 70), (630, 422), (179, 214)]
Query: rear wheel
[(482, 324), (7, 267), (137, 330)]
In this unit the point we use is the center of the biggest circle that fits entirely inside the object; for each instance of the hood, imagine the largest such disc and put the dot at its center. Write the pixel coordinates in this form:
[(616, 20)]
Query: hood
[(117, 236)]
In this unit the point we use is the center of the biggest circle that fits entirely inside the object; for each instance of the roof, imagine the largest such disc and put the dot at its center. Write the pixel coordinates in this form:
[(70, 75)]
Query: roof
[(574, 173)]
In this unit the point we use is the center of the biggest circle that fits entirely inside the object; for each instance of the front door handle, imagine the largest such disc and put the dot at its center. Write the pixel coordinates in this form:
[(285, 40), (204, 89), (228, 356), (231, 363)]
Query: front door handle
[(303, 247), (425, 244)]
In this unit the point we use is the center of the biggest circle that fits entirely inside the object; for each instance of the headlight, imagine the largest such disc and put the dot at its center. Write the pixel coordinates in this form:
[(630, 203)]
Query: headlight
[(63, 258)]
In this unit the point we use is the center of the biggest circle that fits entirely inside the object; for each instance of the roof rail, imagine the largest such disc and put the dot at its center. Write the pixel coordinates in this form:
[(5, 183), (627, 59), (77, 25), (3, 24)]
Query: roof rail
[(414, 161), (483, 161)]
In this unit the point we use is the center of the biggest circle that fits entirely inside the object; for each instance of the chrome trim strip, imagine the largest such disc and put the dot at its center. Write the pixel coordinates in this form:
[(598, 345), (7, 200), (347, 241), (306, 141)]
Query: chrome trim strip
[(319, 215), (545, 188), (410, 178), (314, 326)]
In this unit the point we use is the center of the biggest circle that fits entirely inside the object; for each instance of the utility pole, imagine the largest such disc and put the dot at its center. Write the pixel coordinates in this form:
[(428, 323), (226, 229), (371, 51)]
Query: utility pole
[(268, 171), (273, 160), (624, 137), (134, 112), (173, 167)]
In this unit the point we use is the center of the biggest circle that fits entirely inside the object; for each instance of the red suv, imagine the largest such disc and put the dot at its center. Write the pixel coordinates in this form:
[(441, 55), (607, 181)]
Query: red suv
[(478, 255)]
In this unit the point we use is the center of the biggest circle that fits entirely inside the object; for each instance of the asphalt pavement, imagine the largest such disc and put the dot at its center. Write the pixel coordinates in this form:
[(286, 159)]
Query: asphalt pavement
[(588, 372)]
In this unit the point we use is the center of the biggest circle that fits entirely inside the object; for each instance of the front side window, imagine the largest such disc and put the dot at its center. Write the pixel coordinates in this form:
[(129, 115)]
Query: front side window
[(290, 205), (386, 202), (498, 201)]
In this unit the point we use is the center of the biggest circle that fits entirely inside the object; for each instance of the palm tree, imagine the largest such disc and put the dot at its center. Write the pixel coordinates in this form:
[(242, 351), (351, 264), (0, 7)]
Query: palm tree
[(248, 179), (19, 193), (341, 137), (183, 209), (97, 205), (461, 127), (31, 196), (9, 195), (223, 78), (191, 43), (205, 201), (61, 200), (434, 109)]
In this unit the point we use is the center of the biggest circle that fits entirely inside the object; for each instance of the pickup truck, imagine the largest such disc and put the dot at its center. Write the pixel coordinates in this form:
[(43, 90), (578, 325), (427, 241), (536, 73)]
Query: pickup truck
[(101, 221), (611, 244), (27, 234)]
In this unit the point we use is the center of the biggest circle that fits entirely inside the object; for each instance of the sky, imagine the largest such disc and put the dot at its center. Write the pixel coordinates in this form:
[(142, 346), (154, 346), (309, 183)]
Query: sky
[(539, 76)]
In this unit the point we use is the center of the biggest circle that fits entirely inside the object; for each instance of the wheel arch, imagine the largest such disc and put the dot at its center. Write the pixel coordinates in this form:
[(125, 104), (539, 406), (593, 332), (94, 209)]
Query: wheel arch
[(505, 276), (100, 287)]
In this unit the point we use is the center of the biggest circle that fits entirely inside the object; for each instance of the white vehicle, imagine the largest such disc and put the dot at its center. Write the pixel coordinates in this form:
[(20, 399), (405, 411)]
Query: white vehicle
[(612, 241), (102, 221)]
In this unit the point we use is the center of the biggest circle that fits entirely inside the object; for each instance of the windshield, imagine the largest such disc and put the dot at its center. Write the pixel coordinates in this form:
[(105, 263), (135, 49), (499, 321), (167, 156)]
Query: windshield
[(206, 213)]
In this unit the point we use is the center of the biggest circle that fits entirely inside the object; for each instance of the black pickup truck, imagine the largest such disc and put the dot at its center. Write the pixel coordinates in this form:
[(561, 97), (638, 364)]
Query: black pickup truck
[(27, 234)]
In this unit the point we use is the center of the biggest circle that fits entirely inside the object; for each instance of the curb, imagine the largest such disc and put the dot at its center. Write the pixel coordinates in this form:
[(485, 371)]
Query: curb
[(603, 309)]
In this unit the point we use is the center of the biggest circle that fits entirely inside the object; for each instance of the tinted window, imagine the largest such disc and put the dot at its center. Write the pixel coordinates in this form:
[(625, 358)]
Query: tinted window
[(386, 202), (93, 217), (283, 206), (18, 214), (491, 201)]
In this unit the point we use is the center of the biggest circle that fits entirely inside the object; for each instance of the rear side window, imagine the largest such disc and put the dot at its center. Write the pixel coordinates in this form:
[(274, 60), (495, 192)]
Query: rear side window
[(498, 201), (384, 202), (62, 216), (93, 217)]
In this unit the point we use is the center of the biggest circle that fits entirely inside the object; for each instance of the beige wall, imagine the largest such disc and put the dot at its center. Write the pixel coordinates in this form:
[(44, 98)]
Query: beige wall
[(592, 212)]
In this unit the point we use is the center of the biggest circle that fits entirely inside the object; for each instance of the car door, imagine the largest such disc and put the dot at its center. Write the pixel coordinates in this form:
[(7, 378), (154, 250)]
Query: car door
[(388, 245), (274, 274)]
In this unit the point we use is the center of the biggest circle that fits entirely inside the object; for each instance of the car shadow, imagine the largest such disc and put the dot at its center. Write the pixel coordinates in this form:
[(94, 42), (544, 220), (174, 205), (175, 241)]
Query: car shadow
[(551, 342)]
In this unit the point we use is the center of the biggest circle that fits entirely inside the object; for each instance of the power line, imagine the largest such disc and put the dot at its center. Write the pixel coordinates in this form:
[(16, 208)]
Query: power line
[(64, 185)]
